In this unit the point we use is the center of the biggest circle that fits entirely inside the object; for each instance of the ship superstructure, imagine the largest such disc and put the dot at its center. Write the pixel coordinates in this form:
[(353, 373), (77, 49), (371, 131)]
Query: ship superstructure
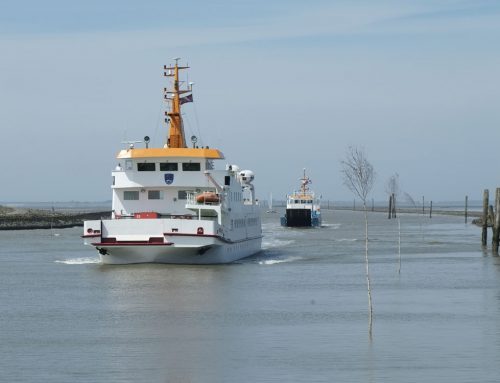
[(173, 204), (302, 207)]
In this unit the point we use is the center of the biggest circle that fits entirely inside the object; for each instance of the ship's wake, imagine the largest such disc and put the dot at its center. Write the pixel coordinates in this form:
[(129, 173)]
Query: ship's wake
[(276, 261), (79, 261), (332, 225), (274, 242)]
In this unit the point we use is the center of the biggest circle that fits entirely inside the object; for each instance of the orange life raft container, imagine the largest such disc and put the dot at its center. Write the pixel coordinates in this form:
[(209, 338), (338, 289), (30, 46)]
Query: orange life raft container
[(209, 197)]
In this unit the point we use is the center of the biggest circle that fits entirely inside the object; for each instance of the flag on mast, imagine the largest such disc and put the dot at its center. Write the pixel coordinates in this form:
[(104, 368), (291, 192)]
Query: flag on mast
[(185, 99)]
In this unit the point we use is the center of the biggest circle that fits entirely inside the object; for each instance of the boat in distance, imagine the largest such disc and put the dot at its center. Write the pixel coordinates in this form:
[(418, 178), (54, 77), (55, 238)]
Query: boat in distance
[(270, 205), (302, 207), (173, 204)]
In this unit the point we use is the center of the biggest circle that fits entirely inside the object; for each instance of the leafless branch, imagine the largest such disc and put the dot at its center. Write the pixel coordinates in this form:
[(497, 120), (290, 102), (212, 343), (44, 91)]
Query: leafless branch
[(358, 173), (392, 186)]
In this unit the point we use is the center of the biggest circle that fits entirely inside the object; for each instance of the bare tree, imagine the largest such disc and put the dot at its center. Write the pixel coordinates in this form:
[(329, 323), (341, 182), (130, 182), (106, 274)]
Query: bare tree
[(392, 186), (358, 173), (359, 177), (410, 200)]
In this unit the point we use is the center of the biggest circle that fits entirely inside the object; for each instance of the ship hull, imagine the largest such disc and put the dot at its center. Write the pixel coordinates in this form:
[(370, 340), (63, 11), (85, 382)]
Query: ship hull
[(300, 218), (215, 253)]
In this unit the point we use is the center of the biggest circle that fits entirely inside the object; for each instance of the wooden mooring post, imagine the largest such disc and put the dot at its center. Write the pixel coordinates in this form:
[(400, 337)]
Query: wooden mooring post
[(393, 205), (496, 224), (390, 207), (465, 211), (430, 211), (486, 201)]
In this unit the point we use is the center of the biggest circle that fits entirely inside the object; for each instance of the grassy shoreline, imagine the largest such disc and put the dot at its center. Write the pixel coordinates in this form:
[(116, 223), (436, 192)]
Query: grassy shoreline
[(29, 219)]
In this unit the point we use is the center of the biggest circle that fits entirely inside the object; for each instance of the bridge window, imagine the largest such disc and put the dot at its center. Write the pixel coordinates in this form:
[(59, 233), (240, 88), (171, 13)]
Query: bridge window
[(146, 166), (191, 166), (169, 166)]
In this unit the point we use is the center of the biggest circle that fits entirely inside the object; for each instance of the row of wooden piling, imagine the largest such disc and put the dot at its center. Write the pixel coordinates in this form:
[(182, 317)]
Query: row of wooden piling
[(490, 217), (392, 207)]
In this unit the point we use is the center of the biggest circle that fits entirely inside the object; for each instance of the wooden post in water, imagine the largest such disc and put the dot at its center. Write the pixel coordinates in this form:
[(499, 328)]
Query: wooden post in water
[(486, 201), (390, 207), (423, 205), (496, 224), (466, 203), (373, 205), (430, 211), (491, 215), (393, 205)]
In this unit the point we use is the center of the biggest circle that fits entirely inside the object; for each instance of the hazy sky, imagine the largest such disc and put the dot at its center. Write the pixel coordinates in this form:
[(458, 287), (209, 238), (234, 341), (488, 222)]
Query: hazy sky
[(280, 85)]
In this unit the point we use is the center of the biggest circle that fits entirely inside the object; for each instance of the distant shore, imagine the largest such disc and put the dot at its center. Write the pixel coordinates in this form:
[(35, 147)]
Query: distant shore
[(14, 218)]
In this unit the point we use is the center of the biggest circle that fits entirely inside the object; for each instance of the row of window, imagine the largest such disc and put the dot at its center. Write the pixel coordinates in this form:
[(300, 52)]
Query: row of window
[(239, 223), (307, 201), (133, 195), (252, 221), (168, 166)]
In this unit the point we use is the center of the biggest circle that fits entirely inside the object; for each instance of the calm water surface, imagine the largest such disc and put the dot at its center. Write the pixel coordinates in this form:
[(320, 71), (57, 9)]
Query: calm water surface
[(297, 312)]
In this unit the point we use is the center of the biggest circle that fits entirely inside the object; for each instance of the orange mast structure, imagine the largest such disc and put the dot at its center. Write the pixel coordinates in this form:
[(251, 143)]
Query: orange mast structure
[(304, 182), (176, 138)]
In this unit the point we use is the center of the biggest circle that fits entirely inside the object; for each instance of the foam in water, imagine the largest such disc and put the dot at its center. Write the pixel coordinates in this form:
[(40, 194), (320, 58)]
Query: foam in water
[(80, 261), (332, 225), (276, 261), (346, 240), (276, 243)]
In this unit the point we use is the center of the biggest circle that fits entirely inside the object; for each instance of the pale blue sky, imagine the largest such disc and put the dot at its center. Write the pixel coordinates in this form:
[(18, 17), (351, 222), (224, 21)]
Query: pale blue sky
[(280, 85)]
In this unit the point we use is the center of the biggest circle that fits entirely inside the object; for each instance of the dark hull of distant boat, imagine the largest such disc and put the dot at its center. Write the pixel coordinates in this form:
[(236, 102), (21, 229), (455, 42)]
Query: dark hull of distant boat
[(297, 218)]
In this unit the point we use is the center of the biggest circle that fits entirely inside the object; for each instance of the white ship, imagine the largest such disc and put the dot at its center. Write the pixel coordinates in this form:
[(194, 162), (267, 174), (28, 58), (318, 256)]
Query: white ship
[(172, 204), (302, 207)]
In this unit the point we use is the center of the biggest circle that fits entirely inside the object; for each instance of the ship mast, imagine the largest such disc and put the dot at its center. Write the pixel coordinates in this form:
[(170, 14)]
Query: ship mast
[(176, 138), (305, 180)]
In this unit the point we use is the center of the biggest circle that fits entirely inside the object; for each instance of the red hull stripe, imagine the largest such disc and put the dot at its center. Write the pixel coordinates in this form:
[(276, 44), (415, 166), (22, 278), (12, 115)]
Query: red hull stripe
[(91, 235), (193, 235), (130, 243)]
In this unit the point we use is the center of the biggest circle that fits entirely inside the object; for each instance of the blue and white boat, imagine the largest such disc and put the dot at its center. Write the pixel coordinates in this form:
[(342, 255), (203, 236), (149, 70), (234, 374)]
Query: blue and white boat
[(302, 207)]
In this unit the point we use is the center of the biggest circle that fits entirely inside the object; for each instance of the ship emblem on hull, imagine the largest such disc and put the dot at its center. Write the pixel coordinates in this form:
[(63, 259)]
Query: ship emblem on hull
[(169, 178)]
